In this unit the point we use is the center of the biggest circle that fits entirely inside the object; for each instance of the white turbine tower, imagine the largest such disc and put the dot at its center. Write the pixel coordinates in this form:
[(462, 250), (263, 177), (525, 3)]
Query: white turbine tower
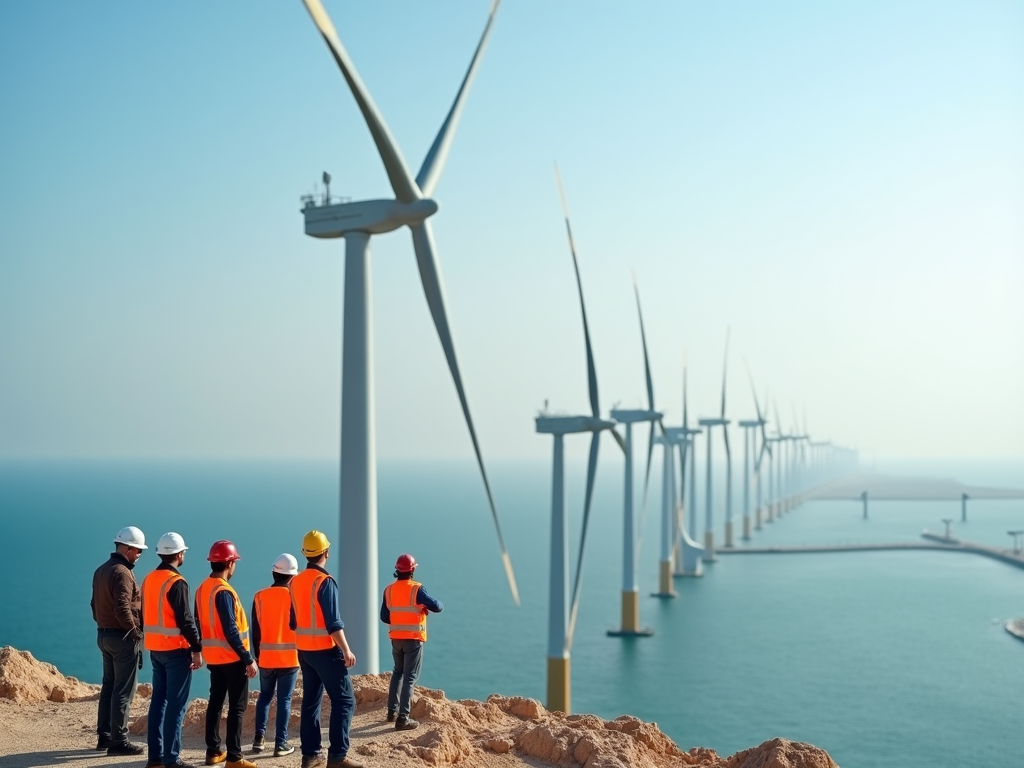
[(709, 424), (630, 626), (691, 553), (356, 222), (562, 612)]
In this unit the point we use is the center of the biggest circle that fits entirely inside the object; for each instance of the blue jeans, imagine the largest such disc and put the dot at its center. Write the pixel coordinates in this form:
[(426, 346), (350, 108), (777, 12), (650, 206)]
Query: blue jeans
[(325, 670), (408, 656), (284, 681), (121, 658), (172, 680)]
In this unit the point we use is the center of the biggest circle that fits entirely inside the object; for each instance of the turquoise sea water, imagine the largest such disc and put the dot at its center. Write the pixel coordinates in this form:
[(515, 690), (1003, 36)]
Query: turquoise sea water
[(882, 658)]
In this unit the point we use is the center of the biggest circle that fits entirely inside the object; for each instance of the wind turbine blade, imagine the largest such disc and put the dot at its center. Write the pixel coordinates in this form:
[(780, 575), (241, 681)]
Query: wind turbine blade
[(398, 174), (595, 408), (753, 392), (433, 288), (575, 602), (433, 163), (643, 339), (619, 439), (686, 412), (725, 366), (643, 506)]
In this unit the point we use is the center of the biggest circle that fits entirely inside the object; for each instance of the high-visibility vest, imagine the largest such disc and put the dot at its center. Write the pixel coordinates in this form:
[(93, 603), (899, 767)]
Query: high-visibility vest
[(216, 649), (408, 620), (159, 624), (277, 640), (310, 628)]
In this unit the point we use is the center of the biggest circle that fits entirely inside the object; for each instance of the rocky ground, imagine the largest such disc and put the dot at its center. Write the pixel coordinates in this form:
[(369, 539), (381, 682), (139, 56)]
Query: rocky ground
[(49, 719)]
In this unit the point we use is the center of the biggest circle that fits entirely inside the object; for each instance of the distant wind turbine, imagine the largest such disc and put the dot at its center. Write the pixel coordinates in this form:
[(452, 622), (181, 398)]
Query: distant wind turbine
[(709, 424), (690, 563), (356, 222), (561, 612), (630, 626)]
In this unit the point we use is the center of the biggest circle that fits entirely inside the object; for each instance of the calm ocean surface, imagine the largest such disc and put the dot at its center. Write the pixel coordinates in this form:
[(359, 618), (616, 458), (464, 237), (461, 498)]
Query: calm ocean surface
[(882, 658)]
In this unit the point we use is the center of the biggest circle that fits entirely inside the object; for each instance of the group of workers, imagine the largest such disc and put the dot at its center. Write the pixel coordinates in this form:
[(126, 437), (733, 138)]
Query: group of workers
[(295, 625)]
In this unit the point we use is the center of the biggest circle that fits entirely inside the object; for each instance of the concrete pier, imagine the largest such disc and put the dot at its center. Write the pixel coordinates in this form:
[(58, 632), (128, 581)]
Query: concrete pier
[(933, 541)]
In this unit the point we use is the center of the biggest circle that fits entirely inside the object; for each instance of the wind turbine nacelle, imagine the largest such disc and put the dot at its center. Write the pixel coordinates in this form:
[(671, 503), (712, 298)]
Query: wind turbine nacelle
[(371, 216), (564, 425)]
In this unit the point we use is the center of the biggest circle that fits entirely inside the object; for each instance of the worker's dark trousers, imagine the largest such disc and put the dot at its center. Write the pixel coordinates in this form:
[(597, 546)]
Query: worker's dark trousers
[(227, 680), (408, 656), (120, 673), (325, 671)]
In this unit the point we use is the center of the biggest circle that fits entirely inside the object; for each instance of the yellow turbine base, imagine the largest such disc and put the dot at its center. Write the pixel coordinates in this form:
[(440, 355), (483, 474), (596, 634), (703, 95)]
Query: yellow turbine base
[(630, 611), (559, 693), (664, 579)]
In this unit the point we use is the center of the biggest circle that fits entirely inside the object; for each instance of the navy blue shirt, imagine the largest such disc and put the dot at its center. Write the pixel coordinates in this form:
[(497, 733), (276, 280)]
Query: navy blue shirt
[(422, 598), (327, 597)]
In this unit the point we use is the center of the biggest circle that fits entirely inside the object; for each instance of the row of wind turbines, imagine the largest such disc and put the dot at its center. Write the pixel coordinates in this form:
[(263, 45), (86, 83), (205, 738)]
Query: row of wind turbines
[(411, 207), (791, 464)]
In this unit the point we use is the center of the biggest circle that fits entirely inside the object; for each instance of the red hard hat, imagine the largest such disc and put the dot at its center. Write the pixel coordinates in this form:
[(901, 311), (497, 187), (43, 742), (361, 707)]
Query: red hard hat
[(405, 564), (223, 551)]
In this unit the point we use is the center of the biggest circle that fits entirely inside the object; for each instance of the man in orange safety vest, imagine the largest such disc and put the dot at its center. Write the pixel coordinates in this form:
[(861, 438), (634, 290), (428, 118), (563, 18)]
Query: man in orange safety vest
[(273, 643), (404, 608)]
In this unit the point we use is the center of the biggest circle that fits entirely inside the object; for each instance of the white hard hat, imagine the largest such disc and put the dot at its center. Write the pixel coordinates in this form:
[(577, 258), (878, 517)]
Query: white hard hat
[(131, 536), (170, 543), (286, 564)]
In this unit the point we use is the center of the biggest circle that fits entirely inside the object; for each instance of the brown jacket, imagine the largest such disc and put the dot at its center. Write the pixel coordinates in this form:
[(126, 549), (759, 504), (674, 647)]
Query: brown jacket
[(116, 601)]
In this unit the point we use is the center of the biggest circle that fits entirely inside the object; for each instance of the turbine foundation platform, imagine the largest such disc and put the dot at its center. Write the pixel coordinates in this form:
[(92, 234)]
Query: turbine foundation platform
[(644, 632), (631, 618)]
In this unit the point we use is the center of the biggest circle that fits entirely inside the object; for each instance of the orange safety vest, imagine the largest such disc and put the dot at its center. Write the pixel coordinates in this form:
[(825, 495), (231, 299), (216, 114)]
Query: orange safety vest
[(159, 625), (216, 649), (310, 628), (277, 640), (408, 620)]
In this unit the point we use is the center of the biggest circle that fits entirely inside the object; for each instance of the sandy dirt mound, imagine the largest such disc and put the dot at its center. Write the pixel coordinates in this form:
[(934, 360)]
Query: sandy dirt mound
[(780, 753), (26, 680), (501, 732)]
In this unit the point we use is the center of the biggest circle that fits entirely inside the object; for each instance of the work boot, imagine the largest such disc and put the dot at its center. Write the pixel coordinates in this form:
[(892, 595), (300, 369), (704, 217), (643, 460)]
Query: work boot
[(282, 749), (154, 762), (258, 742), (215, 758), (127, 748), (102, 742), (240, 763), (313, 761), (347, 762), (391, 716), (179, 763), (405, 724)]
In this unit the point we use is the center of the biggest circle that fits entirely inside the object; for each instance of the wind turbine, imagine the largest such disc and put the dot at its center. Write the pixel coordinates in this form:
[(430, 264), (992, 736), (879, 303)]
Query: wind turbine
[(356, 222), (721, 421), (561, 612), (630, 626), (750, 430), (687, 552)]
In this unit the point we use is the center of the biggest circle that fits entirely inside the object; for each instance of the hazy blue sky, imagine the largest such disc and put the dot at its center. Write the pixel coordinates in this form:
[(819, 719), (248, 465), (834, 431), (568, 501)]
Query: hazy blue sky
[(843, 183)]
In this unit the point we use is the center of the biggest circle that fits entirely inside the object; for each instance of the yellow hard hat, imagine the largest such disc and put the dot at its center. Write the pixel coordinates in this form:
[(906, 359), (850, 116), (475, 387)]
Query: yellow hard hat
[(314, 544)]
